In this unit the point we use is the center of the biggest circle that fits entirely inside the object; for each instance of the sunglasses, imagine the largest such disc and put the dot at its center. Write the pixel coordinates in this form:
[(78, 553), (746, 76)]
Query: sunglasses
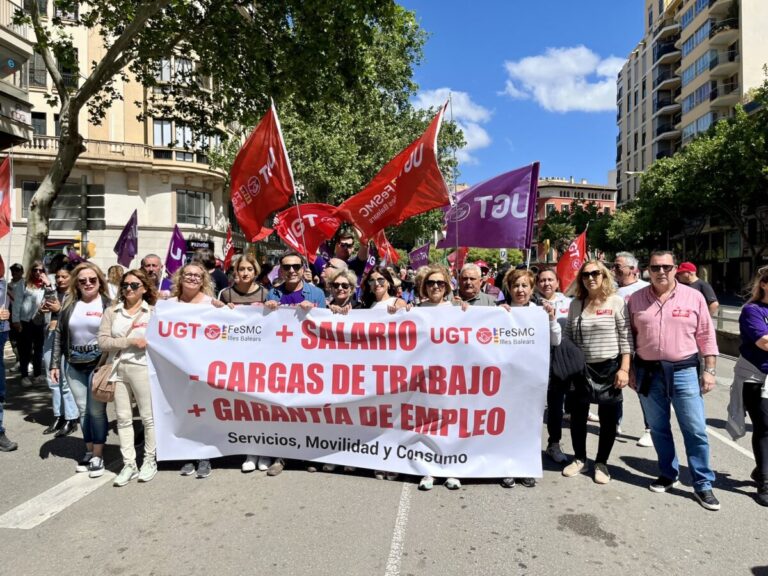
[(347, 245), (379, 281), (656, 268), (438, 283), (619, 266), (132, 285), (294, 267), (340, 285), (592, 274), (86, 281)]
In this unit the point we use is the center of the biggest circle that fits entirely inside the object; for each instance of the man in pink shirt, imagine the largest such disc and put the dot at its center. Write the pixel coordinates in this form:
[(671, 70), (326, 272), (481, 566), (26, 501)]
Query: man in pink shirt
[(673, 330)]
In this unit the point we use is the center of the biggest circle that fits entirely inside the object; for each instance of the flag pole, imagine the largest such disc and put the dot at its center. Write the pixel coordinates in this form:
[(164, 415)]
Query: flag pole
[(453, 182), (293, 182), (10, 221)]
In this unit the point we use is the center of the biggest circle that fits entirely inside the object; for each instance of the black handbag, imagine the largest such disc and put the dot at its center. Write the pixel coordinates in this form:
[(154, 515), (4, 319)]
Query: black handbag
[(599, 380)]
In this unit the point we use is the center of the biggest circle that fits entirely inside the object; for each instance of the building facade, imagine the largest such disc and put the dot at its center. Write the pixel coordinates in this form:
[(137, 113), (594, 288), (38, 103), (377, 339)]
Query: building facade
[(15, 53), (557, 195), (696, 61), (152, 166)]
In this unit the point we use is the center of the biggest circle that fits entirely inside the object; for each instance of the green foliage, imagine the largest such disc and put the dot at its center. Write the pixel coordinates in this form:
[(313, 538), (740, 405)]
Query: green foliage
[(561, 227)]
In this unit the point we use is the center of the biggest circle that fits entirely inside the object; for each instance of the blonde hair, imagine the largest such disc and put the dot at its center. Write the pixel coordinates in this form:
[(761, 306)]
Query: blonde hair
[(73, 292), (434, 269), (206, 286), (513, 275), (606, 287), (350, 276)]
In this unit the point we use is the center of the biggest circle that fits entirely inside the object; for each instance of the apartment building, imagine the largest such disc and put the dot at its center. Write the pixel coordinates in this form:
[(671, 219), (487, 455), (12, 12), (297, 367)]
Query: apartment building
[(15, 52), (154, 166), (557, 195), (696, 61)]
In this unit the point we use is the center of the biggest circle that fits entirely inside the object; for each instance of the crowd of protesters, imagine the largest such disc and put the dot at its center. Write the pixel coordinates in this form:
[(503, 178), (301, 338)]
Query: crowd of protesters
[(612, 331)]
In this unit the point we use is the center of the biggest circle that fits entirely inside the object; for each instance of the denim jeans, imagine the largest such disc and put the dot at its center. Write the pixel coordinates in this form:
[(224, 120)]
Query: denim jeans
[(3, 340), (61, 395), (685, 397), (93, 414)]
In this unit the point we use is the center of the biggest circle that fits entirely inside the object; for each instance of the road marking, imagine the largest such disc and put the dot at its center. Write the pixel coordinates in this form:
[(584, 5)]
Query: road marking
[(46, 505), (731, 443), (398, 534)]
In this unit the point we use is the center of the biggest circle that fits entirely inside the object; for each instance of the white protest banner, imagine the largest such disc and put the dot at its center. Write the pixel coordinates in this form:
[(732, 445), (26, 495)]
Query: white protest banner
[(431, 391)]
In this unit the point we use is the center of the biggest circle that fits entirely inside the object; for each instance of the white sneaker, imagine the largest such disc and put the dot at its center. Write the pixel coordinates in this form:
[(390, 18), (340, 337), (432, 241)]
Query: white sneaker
[(83, 463), (249, 465), (645, 440), (592, 417), (263, 463)]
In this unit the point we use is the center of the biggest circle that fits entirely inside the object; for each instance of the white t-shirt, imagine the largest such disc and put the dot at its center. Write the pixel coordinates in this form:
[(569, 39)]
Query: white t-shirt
[(84, 323), (627, 291), (384, 303)]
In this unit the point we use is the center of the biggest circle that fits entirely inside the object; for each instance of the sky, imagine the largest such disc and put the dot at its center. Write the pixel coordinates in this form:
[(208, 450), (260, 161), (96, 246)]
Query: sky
[(529, 80)]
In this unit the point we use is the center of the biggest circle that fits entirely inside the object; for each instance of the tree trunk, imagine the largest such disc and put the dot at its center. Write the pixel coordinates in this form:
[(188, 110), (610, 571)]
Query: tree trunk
[(70, 148)]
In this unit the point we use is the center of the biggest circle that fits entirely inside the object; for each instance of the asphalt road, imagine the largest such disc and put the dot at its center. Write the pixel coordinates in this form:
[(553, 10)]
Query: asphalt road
[(337, 523)]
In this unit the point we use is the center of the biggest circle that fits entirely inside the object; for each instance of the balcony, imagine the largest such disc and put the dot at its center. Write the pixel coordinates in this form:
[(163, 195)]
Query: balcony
[(666, 131), (666, 53), (726, 94), (666, 80), (663, 154), (666, 29), (666, 104), (723, 32), (7, 11), (126, 155), (719, 7), (724, 64)]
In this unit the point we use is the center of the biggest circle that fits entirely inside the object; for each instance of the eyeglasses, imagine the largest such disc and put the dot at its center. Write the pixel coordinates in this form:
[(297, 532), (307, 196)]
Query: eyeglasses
[(656, 268), (340, 285), (591, 274), (88, 280), (192, 276), (347, 245), (294, 267), (132, 285), (619, 266), (329, 265), (437, 283), (379, 281)]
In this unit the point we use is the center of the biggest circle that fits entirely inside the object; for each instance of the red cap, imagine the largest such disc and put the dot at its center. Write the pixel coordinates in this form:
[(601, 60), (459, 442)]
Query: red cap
[(686, 267)]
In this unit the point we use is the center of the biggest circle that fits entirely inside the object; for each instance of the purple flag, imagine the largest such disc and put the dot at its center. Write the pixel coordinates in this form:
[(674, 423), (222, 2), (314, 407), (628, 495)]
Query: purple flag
[(174, 259), (128, 244), (497, 213), (419, 257)]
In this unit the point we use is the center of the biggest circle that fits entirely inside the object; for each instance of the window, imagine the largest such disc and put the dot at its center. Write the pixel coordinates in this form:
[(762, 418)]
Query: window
[(183, 70), (694, 40), (38, 75), (687, 17), (162, 138), (549, 209), (42, 7), (56, 125), (38, 124), (69, 73), (192, 207), (163, 70), (650, 17), (66, 14), (28, 190)]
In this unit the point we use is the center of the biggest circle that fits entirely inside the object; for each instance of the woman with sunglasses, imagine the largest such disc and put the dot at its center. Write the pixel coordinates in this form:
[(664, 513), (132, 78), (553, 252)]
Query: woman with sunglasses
[(598, 323), (749, 392), (192, 284), (342, 285), (65, 411), (122, 336), (29, 321), (435, 290), (379, 291), (518, 285), (77, 341), (246, 291)]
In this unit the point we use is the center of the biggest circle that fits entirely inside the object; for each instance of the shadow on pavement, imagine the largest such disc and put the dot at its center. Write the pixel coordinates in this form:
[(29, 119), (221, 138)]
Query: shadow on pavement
[(720, 424)]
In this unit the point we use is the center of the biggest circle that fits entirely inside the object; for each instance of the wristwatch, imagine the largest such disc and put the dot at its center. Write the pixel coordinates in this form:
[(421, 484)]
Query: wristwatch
[(711, 371)]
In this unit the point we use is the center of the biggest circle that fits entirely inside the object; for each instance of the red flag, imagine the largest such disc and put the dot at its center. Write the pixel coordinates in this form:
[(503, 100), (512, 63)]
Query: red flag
[(261, 176), (5, 197), (457, 257), (315, 222), (263, 233), (570, 262), (409, 184), (384, 248), (229, 249)]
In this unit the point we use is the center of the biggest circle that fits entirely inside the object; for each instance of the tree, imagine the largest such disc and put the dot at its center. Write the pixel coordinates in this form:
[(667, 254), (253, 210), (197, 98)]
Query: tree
[(243, 53), (560, 227)]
